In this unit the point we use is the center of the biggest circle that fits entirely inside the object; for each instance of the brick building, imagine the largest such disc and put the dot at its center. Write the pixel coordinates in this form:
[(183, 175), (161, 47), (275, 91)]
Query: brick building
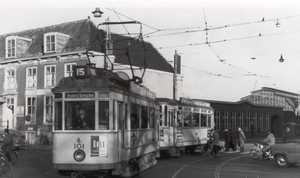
[(33, 61), (254, 119)]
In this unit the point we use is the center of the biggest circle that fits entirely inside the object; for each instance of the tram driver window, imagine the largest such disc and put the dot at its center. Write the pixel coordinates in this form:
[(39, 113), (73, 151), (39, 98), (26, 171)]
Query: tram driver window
[(203, 120), (103, 115), (80, 115)]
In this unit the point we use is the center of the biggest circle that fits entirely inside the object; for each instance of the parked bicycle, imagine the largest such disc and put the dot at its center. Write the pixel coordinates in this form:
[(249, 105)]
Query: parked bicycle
[(217, 152), (44, 140), (6, 168)]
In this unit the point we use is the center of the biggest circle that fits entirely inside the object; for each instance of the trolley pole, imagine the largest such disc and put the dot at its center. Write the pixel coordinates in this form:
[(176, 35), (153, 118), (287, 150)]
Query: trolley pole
[(175, 76)]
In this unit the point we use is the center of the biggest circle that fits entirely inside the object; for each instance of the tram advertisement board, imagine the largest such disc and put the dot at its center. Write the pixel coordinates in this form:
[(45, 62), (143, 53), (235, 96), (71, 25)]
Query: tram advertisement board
[(98, 146)]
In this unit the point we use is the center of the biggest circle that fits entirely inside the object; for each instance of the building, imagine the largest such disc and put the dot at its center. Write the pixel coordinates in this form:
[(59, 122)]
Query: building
[(254, 119), (287, 100), (33, 61), (274, 97)]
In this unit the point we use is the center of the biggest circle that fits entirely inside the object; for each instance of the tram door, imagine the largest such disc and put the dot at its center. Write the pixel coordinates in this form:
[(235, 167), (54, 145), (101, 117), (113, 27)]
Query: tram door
[(121, 120)]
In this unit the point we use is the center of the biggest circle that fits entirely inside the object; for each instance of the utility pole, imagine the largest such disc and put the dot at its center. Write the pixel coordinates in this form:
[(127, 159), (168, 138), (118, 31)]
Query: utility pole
[(175, 76)]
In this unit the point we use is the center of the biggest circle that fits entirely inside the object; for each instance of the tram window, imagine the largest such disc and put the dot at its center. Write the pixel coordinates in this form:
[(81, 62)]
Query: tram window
[(179, 119), (208, 120), (152, 117), (80, 115), (58, 116), (135, 116), (103, 115), (187, 119), (144, 117), (196, 117), (203, 120), (160, 115)]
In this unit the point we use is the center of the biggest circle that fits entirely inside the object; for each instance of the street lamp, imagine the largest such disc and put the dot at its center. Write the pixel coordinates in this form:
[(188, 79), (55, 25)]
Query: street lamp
[(281, 59), (97, 12)]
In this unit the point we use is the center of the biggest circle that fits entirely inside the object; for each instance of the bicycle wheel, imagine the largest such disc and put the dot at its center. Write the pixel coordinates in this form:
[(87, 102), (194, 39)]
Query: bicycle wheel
[(6, 169), (13, 157), (255, 154), (219, 153)]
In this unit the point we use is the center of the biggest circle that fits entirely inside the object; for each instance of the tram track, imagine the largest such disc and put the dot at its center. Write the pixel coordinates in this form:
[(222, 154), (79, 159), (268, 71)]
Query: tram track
[(217, 170)]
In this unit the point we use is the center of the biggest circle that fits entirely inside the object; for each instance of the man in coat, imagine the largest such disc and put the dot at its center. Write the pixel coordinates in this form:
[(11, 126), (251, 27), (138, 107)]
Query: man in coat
[(241, 139), (82, 121)]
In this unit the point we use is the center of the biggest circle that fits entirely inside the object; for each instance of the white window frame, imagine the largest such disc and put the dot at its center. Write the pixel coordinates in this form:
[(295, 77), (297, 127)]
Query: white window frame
[(32, 115), (267, 127), (248, 122), (254, 119), (217, 120), (46, 119), (69, 73), (8, 49), (10, 79), (225, 119), (34, 80), (50, 77), (9, 102), (46, 43), (241, 121)]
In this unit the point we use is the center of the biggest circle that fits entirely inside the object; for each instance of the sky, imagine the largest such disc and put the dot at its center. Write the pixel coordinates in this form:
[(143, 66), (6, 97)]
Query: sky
[(238, 52)]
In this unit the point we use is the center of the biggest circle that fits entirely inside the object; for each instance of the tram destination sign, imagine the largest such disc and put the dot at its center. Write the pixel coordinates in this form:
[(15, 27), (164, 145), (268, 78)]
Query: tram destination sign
[(80, 95)]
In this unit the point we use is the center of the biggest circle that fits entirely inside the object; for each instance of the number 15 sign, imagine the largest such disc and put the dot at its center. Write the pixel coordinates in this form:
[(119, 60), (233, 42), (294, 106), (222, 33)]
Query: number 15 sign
[(80, 72)]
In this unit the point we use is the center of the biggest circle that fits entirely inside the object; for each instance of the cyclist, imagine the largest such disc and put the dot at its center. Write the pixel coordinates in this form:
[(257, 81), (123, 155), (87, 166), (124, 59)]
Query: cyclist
[(7, 144), (267, 142)]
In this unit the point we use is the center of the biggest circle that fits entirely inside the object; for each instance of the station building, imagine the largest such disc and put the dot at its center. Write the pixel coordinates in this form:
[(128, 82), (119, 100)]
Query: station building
[(263, 110), (32, 62)]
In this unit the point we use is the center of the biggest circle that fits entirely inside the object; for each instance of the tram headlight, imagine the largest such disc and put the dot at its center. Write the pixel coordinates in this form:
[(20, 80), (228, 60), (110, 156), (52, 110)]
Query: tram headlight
[(79, 155)]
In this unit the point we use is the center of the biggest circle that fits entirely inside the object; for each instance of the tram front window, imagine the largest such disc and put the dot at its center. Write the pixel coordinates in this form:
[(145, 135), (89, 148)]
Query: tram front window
[(80, 115)]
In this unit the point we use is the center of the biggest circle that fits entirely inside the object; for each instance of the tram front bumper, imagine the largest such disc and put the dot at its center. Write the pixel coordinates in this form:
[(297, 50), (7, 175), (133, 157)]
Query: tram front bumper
[(84, 167)]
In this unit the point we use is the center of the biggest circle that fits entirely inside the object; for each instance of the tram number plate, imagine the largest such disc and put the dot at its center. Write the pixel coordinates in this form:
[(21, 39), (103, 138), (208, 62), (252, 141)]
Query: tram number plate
[(98, 146)]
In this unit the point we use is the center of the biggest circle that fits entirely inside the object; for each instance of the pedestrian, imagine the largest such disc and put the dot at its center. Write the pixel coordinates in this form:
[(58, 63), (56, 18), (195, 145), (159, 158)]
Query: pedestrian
[(241, 139), (232, 140), (7, 144), (226, 139), (286, 134), (215, 140)]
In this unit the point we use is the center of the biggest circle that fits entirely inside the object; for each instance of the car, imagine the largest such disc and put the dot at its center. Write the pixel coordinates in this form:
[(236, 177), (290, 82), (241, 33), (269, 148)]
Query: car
[(18, 139), (286, 154)]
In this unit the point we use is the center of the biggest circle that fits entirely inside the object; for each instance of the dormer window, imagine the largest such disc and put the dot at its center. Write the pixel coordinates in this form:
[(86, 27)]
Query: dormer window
[(55, 42), (50, 43), (16, 46), (10, 48)]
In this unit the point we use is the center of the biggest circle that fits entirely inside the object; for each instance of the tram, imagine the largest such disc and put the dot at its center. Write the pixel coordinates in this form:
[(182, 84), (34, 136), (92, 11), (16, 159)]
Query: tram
[(185, 125), (103, 124)]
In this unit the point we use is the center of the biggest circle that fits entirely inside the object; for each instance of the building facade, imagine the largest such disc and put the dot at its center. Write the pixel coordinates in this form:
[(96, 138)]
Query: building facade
[(254, 119), (32, 62), (274, 97)]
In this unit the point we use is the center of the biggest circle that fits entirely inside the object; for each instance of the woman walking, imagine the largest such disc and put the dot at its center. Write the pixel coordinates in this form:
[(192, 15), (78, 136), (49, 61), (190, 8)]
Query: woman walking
[(241, 139)]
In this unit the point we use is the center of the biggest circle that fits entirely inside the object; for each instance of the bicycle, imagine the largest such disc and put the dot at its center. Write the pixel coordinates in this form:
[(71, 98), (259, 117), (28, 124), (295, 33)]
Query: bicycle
[(6, 168)]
